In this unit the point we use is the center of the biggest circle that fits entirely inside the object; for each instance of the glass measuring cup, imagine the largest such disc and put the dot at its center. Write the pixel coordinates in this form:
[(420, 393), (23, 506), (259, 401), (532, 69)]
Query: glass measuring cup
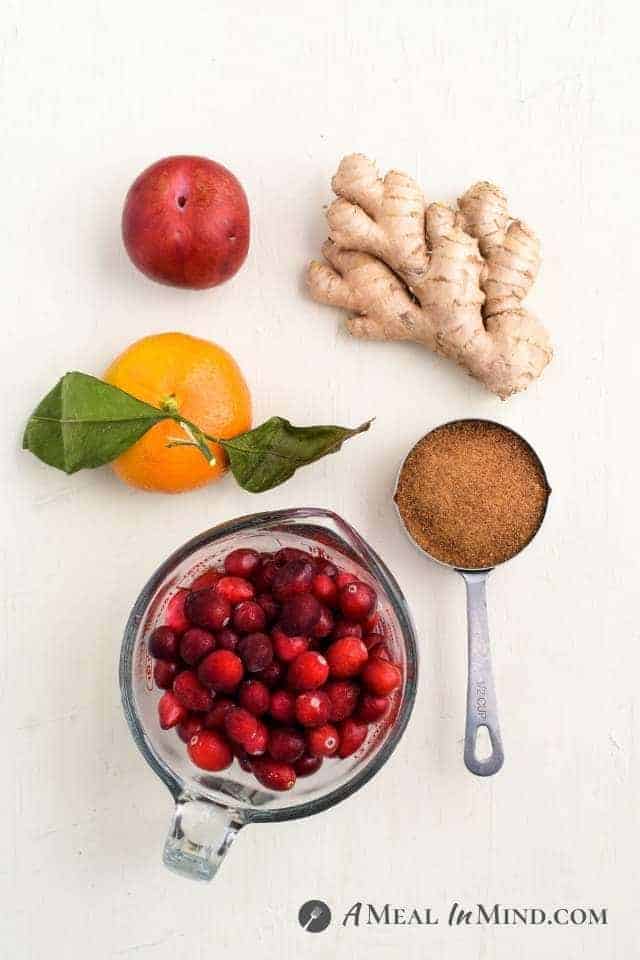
[(211, 808), (481, 705)]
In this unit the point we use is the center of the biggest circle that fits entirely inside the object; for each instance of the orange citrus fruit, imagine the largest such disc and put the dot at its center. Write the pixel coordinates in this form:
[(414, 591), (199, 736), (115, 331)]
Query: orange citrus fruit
[(203, 383)]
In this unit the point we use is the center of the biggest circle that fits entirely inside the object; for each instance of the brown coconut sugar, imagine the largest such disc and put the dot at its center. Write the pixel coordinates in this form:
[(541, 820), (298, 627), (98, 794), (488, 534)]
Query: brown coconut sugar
[(472, 493)]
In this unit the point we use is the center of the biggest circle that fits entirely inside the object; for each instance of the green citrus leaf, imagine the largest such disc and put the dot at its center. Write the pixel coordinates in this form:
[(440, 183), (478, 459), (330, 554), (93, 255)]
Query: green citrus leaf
[(262, 458), (84, 422)]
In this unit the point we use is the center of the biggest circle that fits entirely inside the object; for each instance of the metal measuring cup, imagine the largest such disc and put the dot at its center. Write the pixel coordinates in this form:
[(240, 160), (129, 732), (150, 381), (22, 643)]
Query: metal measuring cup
[(482, 706)]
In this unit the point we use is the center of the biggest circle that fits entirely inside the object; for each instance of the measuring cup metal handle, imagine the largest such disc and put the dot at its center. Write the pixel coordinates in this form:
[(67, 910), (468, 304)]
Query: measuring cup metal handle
[(482, 707), (200, 835)]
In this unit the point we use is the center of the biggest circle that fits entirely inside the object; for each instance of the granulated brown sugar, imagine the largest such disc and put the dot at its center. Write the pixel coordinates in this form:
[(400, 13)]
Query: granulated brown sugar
[(472, 493)]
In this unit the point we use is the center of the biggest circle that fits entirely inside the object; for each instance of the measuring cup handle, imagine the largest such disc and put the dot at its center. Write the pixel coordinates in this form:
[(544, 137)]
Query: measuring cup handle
[(200, 835), (482, 708)]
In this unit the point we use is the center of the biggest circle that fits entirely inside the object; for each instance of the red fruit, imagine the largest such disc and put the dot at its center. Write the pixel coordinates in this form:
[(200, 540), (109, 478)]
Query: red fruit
[(287, 648), (282, 706), (371, 708), (343, 578), (265, 575), (270, 606), (191, 693), (242, 757), (258, 743), (186, 222), (214, 718), (326, 567), (196, 644), (285, 743), (254, 696), (323, 741), (256, 651), (175, 616), (356, 600), (240, 725), (170, 711), (380, 677), (371, 623), (345, 629), (226, 639), (164, 673), (293, 578), (313, 708), (307, 765), (308, 671), (210, 751), (222, 670), (324, 589), (249, 617), (324, 626), (271, 675), (299, 614), (191, 725), (242, 562), (380, 650), (285, 554), (163, 644), (344, 698), (205, 608), (346, 657), (274, 775), (235, 589), (352, 735), (206, 580)]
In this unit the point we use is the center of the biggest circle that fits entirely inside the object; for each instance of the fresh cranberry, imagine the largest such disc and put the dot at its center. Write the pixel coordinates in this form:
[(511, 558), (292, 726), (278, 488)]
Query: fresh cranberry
[(242, 562), (308, 671), (300, 614), (175, 616), (191, 693), (343, 578), (170, 711), (323, 741), (293, 578), (286, 743), (356, 600), (271, 675), (343, 628), (324, 589), (270, 606), (380, 650), (307, 765), (249, 617), (264, 576), (164, 644), (371, 707), (287, 648), (226, 639), (196, 643), (191, 725), (235, 589), (313, 708), (214, 718), (208, 610), (380, 676), (352, 735), (324, 626), (371, 623), (325, 567), (273, 774), (240, 725), (286, 554), (258, 743), (256, 651), (346, 657), (222, 670), (206, 580), (282, 706), (254, 696), (164, 673), (344, 698), (210, 751)]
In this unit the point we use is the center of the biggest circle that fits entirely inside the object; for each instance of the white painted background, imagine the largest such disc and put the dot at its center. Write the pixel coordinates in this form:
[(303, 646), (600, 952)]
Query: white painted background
[(543, 99)]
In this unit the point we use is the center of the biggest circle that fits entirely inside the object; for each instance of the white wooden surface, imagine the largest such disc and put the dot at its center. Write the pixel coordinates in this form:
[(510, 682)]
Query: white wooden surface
[(540, 98)]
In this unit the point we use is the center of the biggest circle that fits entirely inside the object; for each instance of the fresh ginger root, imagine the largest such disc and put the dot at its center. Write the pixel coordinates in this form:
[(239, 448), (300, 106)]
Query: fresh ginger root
[(451, 279)]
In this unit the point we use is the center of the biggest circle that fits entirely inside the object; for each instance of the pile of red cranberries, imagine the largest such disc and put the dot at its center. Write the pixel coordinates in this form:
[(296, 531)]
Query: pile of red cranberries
[(277, 659)]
